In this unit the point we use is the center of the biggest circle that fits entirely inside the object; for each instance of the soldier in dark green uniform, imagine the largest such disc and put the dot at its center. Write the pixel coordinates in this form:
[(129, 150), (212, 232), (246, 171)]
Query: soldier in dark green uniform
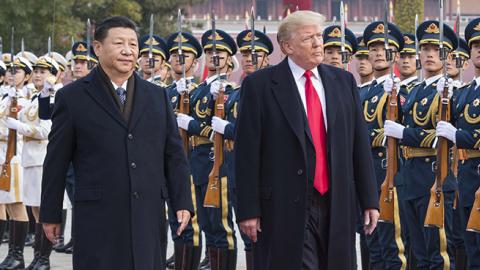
[(432, 247)]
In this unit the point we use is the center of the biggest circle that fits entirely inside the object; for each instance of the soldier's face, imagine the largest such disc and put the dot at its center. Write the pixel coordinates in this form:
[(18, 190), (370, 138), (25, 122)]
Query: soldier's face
[(223, 56), (305, 46), (20, 77), (39, 76), (7, 75), (80, 68), (333, 56), (145, 66), (475, 54), (377, 56), (118, 52), (430, 57), (246, 61), (190, 61), (451, 63), (407, 64), (363, 66)]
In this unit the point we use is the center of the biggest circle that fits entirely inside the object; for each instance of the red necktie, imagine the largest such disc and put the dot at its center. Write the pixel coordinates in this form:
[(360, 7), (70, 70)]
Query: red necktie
[(319, 134)]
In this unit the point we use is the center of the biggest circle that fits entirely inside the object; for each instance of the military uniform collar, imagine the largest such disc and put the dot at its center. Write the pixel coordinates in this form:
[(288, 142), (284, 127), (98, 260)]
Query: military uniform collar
[(477, 79), (365, 84), (407, 81), (191, 78), (432, 79), (210, 79), (380, 80)]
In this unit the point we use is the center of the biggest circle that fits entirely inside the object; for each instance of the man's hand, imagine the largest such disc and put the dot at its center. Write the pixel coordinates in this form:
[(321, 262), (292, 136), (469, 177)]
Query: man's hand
[(370, 220), (183, 217), (183, 120), (250, 228), (52, 231), (393, 129)]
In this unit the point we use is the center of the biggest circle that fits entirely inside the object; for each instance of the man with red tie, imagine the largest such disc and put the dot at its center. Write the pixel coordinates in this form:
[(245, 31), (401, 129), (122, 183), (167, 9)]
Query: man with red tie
[(302, 157)]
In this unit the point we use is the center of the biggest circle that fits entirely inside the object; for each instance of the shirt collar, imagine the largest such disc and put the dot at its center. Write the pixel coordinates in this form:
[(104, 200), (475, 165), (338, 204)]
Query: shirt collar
[(124, 85), (408, 80), (365, 84), (477, 79), (432, 79), (298, 71), (381, 79), (210, 79)]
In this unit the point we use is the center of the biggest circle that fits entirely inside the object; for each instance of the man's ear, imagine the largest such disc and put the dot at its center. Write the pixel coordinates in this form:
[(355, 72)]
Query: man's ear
[(286, 47), (97, 47)]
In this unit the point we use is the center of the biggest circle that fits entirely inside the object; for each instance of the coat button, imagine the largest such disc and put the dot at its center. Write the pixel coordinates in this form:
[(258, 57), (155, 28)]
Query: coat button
[(133, 165), (135, 195), (130, 137), (300, 172)]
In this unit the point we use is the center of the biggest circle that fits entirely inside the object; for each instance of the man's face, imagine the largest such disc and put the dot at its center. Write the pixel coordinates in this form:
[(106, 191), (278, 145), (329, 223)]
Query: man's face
[(190, 61), (20, 77), (39, 76), (377, 56), (333, 56), (80, 68), (223, 56), (305, 46), (363, 66), (475, 54), (145, 66), (8, 73), (118, 52), (430, 57), (407, 64), (246, 61)]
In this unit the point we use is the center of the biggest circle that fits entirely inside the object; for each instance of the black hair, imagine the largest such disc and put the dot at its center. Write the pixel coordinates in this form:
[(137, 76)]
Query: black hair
[(113, 22)]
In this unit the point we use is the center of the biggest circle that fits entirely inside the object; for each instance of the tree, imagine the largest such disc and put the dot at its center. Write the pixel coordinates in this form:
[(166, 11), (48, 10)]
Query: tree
[(405, 11)]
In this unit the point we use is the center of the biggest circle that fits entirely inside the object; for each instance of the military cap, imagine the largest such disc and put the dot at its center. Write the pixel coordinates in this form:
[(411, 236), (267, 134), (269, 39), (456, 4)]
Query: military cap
[(332, 36), (362, 48), (23, 63), (261, 42), (80, 52), (68, 57), (159, 46), (375, 33), (48, 63), (428, 32), (463, 49), (223, 40), (472, 31), (28, 55), (409, 43), (3, 68), (61, 61), (6, 58), (234, 65), (189, 43)]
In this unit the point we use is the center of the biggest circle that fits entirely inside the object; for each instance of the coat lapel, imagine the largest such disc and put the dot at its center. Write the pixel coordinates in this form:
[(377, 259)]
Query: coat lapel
[(97, 90), (331, 97), (139, 101)]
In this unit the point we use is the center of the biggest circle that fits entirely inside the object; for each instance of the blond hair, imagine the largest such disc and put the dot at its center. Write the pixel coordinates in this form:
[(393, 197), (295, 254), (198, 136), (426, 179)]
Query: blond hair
[(298, 19)]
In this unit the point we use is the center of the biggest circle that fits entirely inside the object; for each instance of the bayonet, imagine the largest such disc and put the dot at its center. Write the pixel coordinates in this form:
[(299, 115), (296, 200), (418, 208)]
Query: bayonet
[(215, 58), (22, 48), (443, 51), (12, 53), (49, 47), (72, 62), (388, 51), (151, 60), (458, 58), (89, 30), (342, 37), (252, 40), (181, 56), (1, 46), (417, 50)]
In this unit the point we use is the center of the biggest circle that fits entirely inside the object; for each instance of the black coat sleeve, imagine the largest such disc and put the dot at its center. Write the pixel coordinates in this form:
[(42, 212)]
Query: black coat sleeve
[(364, 173), (59, 155), (44, 108), (248, 152), (177, 170)]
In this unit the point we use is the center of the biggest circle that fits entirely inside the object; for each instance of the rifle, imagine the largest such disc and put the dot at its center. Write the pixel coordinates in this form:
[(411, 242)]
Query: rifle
[(342, 38), (184, 103), (252, 41), (458, 58), (6, 171), (151, 60), (212, 197), (417, 50), (436, 211), (89, 30), (474, 220), (387, 193)]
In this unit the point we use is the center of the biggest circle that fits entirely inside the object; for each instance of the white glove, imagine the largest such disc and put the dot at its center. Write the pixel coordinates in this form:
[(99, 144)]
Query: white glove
[(11, 91), (446, 130), (47, 87), (218, 124), (441, 85), (457, 84), (215, 88), (183, 120), (13, 123), (393, 129), (181, 86), (388, 84)]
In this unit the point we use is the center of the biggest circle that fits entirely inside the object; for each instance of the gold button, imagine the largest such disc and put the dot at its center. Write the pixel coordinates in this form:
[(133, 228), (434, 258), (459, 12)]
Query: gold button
[(410, 112), (422, 133), (427, 160), (475, 135), (372, 110), (380, 154), (373, 134), (461, 115), (407, 126), (420, 113)]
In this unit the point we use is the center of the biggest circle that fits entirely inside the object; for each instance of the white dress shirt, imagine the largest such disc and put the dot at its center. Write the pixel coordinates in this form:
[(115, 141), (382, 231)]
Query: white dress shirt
[(297, 73), (124, 86)]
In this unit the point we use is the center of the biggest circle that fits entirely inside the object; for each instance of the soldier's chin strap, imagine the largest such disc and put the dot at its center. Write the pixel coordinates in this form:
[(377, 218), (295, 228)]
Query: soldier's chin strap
[(187, 69)]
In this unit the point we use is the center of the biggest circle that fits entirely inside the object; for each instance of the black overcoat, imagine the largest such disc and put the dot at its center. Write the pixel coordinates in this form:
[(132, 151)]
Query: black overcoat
[(124, 172), (275, 161)]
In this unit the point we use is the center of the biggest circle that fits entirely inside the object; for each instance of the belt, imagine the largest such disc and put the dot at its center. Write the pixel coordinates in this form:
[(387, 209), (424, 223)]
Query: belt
[(464, 154), (412, 152), (31, 139), (198, 140)]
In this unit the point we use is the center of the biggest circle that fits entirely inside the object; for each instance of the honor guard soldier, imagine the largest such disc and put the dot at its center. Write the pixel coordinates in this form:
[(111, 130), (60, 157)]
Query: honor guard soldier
[(263, 47), (386, 250), (466, 136), (83, 59), (457, 63), (363, 67), (160, 55), (187, 246), (12, 194), (431, 246), (219, 233), (3, 70), (407, 66), (63, 66), (332, 43)]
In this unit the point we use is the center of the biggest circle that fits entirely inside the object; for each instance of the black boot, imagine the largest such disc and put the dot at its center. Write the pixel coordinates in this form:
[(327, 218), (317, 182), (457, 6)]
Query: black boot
[(60, 243), (3, 227), (20, 229), (460, 259), (36, 246), (205, 264), (45, 251), (10, 245), (170, 262), (249, 259)]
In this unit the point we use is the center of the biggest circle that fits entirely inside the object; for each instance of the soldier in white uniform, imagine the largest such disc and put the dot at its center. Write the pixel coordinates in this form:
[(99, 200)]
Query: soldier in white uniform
[(21, 70)]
